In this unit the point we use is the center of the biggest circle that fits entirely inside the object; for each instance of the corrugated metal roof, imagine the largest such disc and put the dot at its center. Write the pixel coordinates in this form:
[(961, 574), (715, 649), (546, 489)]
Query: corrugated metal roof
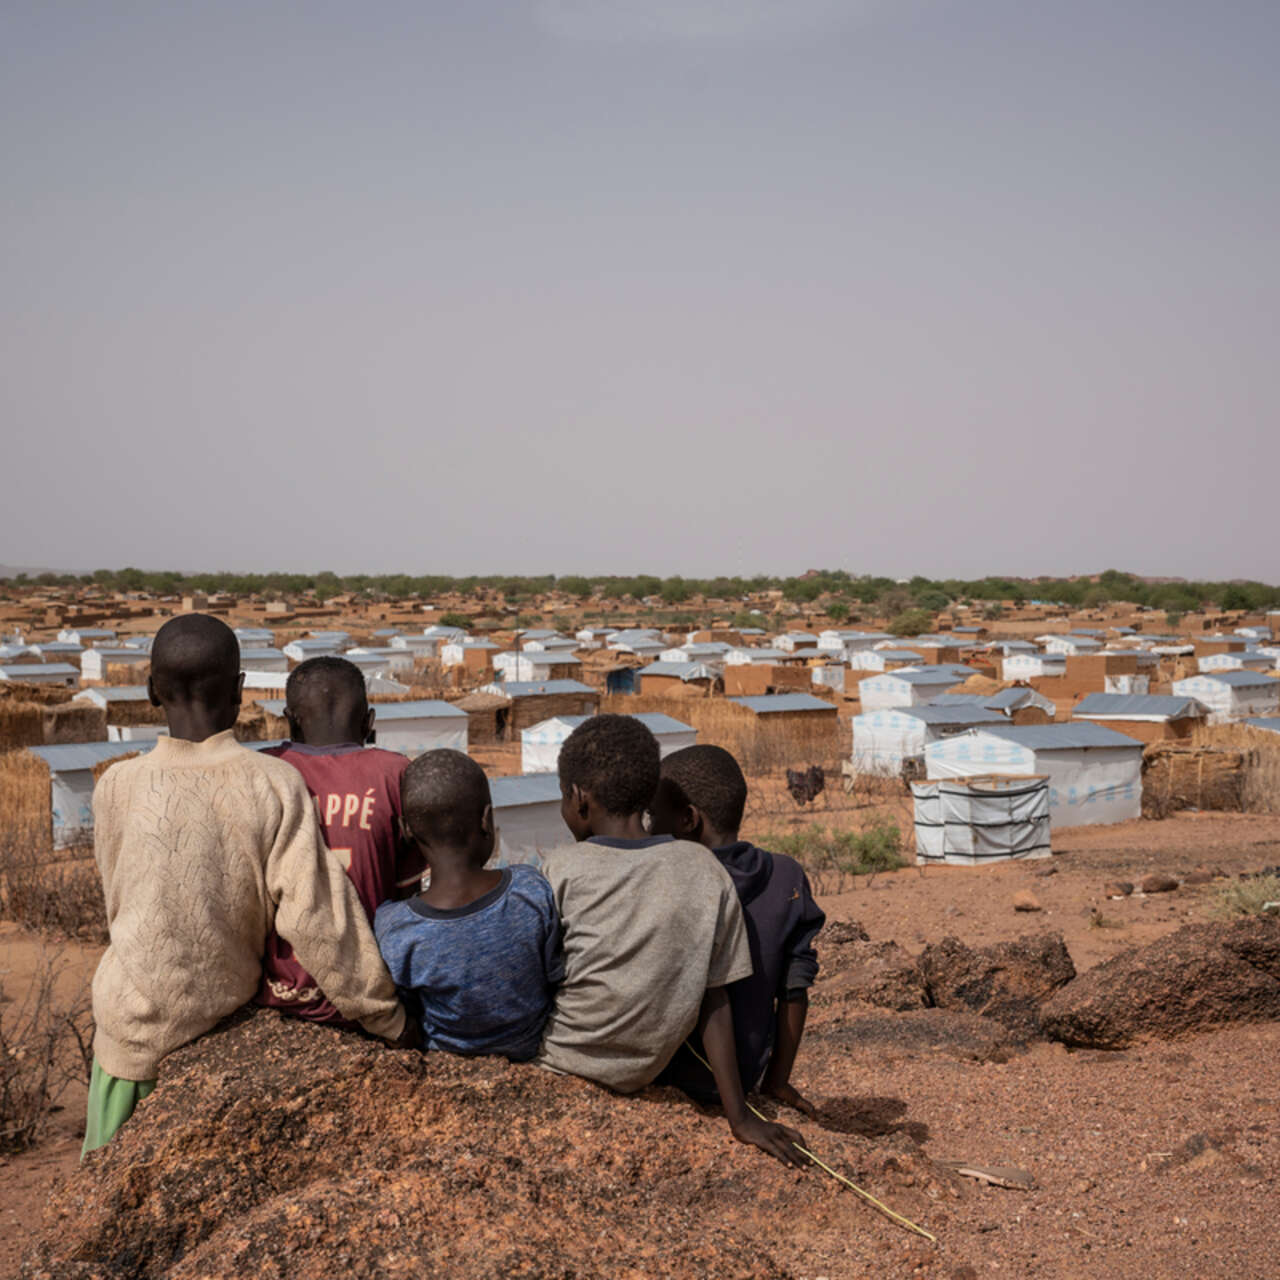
[(656, 723), (765, 655), (533, 688), (899, 655), (114, 693), (930, 675), (971, 713), (416, 710), (25, 670), (768, 703), (679, 670), (261, 655), (1270, 723), (71, 756), (1166, 706), (1060, 737), (1241, 679), (528, 788)]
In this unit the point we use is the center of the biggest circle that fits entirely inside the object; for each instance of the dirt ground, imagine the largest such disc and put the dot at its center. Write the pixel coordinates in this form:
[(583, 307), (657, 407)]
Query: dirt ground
[(1160, 1160)]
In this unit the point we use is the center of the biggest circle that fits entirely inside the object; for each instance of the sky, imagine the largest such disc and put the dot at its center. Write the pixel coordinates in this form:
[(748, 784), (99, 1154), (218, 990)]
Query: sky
[(950, 287)]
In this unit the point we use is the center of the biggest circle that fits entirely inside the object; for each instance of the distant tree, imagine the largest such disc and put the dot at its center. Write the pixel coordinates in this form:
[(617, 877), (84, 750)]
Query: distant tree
[(1234, 597), (993, 612), (894, 600), (911, 622), (1173, 620), (454, 619), (575, 586), (838, 611), (932, 599)]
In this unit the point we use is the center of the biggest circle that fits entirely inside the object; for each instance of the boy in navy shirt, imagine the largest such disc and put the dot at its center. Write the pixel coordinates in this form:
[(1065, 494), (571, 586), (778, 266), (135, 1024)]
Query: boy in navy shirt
[(701, 797), (476, 955)]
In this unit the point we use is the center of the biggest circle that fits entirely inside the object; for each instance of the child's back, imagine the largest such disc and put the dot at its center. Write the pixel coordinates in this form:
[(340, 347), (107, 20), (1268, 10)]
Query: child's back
[(197, 843), (357, 794), (483, 975), (649, 925), (477, 953)]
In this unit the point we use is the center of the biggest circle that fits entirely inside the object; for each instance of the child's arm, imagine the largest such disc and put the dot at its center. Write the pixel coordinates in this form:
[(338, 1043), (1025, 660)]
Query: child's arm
[(793, 1002), (715, 1026), (320, 915), (793, 1008)]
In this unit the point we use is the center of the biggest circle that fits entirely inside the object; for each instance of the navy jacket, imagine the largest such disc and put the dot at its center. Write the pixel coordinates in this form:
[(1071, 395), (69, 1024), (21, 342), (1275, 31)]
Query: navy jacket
[(782, 921)]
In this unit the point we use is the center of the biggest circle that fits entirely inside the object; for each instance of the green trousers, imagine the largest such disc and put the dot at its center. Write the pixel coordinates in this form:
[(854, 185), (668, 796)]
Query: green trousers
[(111, 1103)]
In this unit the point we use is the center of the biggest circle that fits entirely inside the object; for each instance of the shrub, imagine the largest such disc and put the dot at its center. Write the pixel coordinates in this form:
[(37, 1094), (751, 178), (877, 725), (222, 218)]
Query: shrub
[(1246, 897), (911, 622), (453, 619), (45, 1043), (822, 851)]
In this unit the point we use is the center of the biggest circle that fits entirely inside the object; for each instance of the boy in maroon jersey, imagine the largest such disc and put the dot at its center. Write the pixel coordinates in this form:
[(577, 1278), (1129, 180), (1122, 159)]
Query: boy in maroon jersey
[(357, 795)]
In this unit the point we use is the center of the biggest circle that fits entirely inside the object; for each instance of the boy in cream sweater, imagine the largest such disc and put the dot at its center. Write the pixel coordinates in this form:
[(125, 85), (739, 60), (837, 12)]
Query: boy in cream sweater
[(204, 845)]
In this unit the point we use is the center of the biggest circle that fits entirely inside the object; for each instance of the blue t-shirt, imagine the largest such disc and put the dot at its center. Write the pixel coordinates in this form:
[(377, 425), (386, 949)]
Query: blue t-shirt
[(482, 977)]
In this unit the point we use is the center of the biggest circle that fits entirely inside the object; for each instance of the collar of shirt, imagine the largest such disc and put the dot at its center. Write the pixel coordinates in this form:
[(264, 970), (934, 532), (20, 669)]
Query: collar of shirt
[(333, 749), (618, 842)]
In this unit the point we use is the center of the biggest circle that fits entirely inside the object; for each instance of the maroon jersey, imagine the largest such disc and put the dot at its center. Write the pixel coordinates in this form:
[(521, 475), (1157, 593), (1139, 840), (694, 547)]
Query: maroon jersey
[(357, 794)]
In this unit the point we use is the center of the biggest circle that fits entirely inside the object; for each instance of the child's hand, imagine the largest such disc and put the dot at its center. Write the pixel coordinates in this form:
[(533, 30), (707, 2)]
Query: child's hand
[(776, 1139), (410, 1037), (789, 1096)]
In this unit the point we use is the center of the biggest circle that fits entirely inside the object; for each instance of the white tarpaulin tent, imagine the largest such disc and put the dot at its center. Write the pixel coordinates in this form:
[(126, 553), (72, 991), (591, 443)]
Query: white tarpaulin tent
[(540, 743), (1095, 773), (1029, 666), (968, 822), (526, 812), (71, 767), (906, 688), (1232, 695), (422, 725), (884, 740)]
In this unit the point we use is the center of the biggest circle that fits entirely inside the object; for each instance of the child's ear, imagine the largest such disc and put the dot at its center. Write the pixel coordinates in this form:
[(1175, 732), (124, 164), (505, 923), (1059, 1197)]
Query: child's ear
[(578, 798), (486, 820), (691, 821), (369, 717), (152, 696)]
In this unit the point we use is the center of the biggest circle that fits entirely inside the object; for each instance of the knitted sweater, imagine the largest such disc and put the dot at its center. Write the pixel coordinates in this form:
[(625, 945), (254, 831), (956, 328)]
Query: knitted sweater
[(202, 847)]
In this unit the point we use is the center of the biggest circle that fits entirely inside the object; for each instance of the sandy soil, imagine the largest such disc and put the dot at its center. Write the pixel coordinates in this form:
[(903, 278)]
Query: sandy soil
[(1161, 1160)]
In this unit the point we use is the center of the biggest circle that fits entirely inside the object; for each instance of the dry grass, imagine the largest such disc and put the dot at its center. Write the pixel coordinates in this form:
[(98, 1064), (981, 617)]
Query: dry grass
[(48, 894), (24, 800), (1261, 785), (832, 855), (45, 1044), (1246, 897)]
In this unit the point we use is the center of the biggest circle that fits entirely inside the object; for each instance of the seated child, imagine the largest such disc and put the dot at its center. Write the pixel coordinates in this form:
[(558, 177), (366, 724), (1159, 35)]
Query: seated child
[(653, 933), (477, 953), (701, 797), (357, 794), (204, 845)]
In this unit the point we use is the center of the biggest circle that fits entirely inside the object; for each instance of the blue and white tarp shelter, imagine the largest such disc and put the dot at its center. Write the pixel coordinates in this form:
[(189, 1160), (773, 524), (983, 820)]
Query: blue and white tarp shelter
[(540, 743), (526, 812), (1095, 773), (969, 822), (71, 767), (906, 688), (1232, 695), (883, 741)]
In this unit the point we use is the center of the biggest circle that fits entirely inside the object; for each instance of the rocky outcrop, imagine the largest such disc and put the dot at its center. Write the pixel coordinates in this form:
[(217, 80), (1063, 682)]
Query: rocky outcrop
[(1008, 981), (274, 1148), (1201, 976)]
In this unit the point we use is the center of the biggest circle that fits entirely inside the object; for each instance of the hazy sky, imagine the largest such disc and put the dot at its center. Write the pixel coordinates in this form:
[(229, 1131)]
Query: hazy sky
[(684, 286)]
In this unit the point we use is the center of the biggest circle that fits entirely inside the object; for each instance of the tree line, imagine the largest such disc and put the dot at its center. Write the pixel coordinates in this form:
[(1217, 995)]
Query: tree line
[(841, 593)]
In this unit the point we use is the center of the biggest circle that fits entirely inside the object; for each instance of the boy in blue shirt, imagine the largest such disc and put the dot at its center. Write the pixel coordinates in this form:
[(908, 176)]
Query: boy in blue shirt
[(476, 955)]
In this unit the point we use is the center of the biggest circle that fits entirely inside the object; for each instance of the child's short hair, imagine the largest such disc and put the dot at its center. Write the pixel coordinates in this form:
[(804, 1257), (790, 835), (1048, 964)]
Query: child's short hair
[(327, 681), (711, 780), (615, 760), (195, 657), (443, 795)]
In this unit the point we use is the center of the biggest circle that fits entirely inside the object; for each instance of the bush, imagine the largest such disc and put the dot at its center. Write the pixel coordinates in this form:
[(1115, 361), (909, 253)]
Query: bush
[(1247, 897), (45, 1043), (455, 620), (838, 612), (911, 622), (854, 853)]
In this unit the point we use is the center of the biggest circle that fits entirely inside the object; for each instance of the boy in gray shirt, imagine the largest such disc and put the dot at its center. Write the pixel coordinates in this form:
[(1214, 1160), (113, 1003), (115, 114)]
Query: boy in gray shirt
[(653, 933)]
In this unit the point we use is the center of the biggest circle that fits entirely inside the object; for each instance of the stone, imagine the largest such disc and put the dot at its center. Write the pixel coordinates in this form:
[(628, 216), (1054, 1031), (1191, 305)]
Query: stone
[(1025, 900), (272, 1147), (839, 932), (955, 1032), (875, 973), (1198, 876), (1157, 882), (1118, 888), (1201, 976), (1007, 981), (1042, 873)]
